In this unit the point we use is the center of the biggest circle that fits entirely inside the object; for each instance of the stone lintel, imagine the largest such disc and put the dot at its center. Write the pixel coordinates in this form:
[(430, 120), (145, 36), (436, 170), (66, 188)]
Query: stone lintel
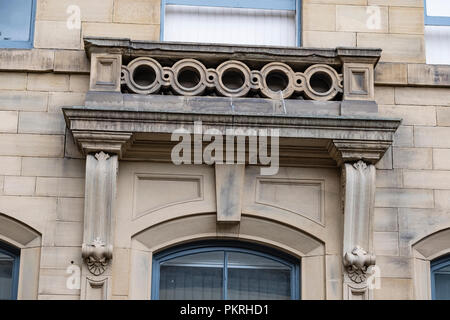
[(110, 142)]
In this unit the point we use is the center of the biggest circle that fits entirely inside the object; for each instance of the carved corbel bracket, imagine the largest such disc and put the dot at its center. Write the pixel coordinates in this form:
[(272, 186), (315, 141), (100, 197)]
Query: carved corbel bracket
[(110, 142), (97, 256), (347, 151), (357, 262)]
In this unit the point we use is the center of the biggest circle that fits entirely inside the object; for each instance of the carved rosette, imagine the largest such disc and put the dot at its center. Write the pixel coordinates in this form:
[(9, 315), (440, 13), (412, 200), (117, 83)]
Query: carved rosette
[(190, 77), (97, 256), (357, 262)]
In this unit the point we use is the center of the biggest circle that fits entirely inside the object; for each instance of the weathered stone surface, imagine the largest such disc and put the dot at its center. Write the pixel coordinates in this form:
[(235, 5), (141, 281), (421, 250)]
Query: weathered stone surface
[(422, 96), (48, 82), (403, 137), (56, 35), (413, 158), (73, 61), (53, 167), (427, 179), (121, 30), (8, 121), (229, 189), (391, 73), (386, 161), (397, 3), (19, 186), (23, 100), (425, 74), (57, 100), (31, 145), (436, 137), (395, 267), (60, 187), (396, 47), (384, 95), (70, 209), (411, 115), (441, 159), (137, 11), (41, 123), (404, 198), (442, 199), (79, 83), (443, 116), (385, 243), (354, 2), (10, 166), (13, 80), (319, 17), (29, 60), (326, 39), (96, 11), (389, 178), (385, 219), (406, 20), (358, 19), (394, 289)]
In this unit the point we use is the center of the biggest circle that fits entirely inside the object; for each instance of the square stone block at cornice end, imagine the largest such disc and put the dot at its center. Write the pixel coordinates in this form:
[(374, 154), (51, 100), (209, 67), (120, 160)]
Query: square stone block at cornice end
[(132, 48)]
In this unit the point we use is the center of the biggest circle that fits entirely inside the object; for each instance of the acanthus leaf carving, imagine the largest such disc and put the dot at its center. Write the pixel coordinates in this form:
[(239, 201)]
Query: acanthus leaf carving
[(357, 262)]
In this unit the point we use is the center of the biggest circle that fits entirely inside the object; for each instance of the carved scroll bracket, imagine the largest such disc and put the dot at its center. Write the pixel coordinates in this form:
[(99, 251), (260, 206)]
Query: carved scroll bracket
[(100, 190)]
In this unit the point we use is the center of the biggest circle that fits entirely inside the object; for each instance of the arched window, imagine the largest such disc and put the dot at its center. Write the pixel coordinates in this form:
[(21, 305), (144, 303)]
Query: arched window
[(440, 278), (9, 271), (225, 270)]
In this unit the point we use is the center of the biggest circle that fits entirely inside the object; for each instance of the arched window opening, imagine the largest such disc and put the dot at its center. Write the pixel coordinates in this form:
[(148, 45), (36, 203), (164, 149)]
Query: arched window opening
[(225, 271), (440, 278), (9, 271)]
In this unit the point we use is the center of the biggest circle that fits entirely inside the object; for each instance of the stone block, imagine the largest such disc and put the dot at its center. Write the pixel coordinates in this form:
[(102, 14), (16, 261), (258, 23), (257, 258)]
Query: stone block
[(426, 179), (19, 186), (361, 19), (435, 137), (403, 198), (57, 100), (432, 75), (327, 39), (441, 159), (394, 289), (396, 47), (8, 121), (410, 115), (319, 17), (391, 73), (79, 83), (30, 145), (406, 20), (385, 243), (137, 11), (443, 116), (388, 178), (397, 3), (352, 2), (442, 199), (121, 271), (121, 30), (73, 61), (60, 187), (403, 137), (385, 219), (56, 35), (48, 82), (413, 158), (13, 80), (23, 100), (41, 123), (29, 60), (96, 11), (384, 95), (422, 96), (52, 281), (68, 234), (70, 209), (395, 267), (229, 188), (10, 166), (60, 257), (53, 167), (385, 162)]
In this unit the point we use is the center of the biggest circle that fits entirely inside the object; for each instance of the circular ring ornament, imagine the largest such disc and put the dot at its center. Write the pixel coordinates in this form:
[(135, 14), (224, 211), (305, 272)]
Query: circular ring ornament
[(189, 65), (146, 67), (280, 72), (237, 72), (329, 76)]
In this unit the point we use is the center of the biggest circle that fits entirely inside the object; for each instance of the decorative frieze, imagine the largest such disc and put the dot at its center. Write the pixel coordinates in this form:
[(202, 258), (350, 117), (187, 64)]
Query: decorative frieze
[(190, 77)]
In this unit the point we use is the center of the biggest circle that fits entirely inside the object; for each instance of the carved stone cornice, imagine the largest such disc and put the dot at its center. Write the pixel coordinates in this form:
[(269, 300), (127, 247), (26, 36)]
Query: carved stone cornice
[(343, 151), (110, 142)]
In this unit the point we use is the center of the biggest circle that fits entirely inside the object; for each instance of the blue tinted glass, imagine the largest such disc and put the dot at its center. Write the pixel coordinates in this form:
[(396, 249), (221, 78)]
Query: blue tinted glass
[(15, 19), (442, 286), (6, 276)]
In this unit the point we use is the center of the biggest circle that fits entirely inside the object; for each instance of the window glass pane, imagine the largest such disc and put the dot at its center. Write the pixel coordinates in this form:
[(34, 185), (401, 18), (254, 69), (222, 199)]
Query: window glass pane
[(196, 276), (442, 286), (230, 25), (6, 276), (438, 8), (252, 277), (15, 19), (437, 44)]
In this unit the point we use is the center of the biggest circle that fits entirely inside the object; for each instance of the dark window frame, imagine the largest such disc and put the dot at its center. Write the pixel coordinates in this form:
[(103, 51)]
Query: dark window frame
[(14, 253)]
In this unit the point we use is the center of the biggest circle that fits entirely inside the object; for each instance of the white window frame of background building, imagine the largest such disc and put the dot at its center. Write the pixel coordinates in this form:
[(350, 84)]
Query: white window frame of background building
[(437, 31), (287, 5)]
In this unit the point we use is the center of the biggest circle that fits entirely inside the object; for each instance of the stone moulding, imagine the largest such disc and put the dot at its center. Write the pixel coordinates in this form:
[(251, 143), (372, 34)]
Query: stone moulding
[(231, 71)]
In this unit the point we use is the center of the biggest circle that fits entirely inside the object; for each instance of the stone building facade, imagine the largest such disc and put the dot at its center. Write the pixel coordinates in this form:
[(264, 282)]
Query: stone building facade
[(86, 178)]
